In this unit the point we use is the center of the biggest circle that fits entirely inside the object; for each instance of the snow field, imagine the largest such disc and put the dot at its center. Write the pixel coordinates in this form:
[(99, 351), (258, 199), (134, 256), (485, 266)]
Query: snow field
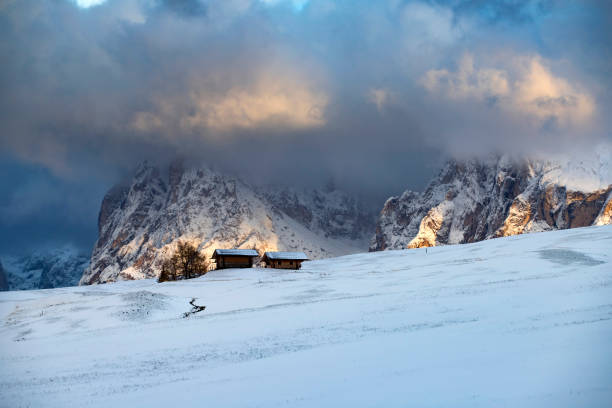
[(517, 321)]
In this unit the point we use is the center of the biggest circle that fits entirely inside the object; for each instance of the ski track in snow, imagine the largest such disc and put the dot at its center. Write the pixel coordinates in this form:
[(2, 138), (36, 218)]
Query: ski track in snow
[(517, 321)]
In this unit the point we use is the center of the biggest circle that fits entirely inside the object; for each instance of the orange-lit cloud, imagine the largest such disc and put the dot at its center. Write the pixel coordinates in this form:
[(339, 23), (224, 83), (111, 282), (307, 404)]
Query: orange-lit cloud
[(272, 101), (269, 102), (379, 97), (540, 93), (524, 86)]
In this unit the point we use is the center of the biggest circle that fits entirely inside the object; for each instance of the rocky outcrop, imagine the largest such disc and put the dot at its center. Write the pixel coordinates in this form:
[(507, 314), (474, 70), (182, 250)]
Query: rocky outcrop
[(330, 213), (480, 199), (605, 215), (141, 222)]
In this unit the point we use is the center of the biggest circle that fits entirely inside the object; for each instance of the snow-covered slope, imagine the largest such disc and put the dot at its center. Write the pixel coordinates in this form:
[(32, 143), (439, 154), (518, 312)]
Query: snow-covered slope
[(521, 321), (45, 269), (498, 196), (140, 223)]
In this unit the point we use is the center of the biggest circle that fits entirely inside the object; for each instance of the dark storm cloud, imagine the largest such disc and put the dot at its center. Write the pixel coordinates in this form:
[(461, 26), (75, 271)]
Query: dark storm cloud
[(502, 11), (371, 95), (38, 210), (190, 8)]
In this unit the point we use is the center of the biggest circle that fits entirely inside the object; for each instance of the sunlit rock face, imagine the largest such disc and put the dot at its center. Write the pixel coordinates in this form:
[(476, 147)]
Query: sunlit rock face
[(605, 215), (141, 222), (474, 200)]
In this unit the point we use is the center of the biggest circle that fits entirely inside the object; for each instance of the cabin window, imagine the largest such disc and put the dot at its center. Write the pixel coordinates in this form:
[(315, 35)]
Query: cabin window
[(291, 263)]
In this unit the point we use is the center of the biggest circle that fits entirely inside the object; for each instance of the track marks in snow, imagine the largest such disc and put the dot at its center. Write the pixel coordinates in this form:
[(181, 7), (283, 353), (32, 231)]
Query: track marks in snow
[(141, 305), (568, 257), (496, 307)]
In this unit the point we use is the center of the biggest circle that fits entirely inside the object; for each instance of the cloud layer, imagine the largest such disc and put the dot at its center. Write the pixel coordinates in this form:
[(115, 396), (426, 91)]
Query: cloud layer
[(126, 79), (523, 89), (272, 101), (372, 95)]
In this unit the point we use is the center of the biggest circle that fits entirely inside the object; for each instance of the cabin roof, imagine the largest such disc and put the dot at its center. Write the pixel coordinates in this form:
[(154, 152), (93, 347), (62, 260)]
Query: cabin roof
[(296, 256), (234, 252)]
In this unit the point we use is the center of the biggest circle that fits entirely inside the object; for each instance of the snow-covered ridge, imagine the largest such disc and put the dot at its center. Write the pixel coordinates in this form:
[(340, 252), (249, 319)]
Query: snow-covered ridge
[(498, 196), (583, 171), (141, 222), (521, 321), (44, 269)]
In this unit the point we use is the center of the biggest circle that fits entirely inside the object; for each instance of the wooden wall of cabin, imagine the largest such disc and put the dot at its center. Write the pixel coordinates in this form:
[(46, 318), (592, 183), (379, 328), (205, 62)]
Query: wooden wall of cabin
[(285, 264), (234, 261)]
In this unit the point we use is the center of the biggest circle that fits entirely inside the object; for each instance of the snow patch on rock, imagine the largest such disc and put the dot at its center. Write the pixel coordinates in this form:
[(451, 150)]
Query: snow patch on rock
[(45, 269), (498, 196), (141, 223)]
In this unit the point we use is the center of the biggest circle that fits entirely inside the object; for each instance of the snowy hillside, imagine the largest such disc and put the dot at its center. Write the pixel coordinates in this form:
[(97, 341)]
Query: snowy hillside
[(498, 196), (521, 321), (140, 223)]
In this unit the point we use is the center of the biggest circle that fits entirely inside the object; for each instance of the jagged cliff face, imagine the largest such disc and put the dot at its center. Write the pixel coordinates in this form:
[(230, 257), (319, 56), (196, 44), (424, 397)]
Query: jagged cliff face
[(481, 199), (332, 214), (140, 223)]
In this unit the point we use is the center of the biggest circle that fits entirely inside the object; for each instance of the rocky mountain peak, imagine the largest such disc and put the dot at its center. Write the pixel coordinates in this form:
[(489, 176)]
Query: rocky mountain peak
[(477, 199), (142, 220), (44, 269)]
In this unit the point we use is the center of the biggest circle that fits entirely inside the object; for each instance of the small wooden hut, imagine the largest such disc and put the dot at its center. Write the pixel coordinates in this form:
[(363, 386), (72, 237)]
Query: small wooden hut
[(234, 258), (284, 260)]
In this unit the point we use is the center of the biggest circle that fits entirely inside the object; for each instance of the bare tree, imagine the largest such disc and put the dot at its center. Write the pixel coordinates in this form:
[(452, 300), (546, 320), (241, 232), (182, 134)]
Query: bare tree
[(185, 263), (168, 271)]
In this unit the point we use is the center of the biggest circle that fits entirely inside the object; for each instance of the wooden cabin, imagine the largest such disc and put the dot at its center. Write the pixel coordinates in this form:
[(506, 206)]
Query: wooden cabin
[(284, 260), (234, 258)]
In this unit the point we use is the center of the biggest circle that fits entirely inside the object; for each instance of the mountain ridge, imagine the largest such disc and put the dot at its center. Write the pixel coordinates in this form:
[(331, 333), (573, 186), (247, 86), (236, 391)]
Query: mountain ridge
[(141, 222), (476, 199), (44, 269)]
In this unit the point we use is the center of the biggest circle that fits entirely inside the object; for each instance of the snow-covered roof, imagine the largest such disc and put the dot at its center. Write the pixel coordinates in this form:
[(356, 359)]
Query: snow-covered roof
[(299, 256), (236, 252)]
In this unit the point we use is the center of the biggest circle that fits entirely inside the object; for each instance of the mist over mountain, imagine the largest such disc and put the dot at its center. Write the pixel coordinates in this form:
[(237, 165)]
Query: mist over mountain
[(477, 199), (140, 222), (434, 178), (43, 269), (372, 95), (142, 218)]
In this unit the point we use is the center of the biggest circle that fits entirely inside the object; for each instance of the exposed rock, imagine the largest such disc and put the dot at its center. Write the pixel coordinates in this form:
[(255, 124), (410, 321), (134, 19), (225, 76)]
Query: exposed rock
[(605, 215), (332, 213), (141, 223), (481, 199)]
